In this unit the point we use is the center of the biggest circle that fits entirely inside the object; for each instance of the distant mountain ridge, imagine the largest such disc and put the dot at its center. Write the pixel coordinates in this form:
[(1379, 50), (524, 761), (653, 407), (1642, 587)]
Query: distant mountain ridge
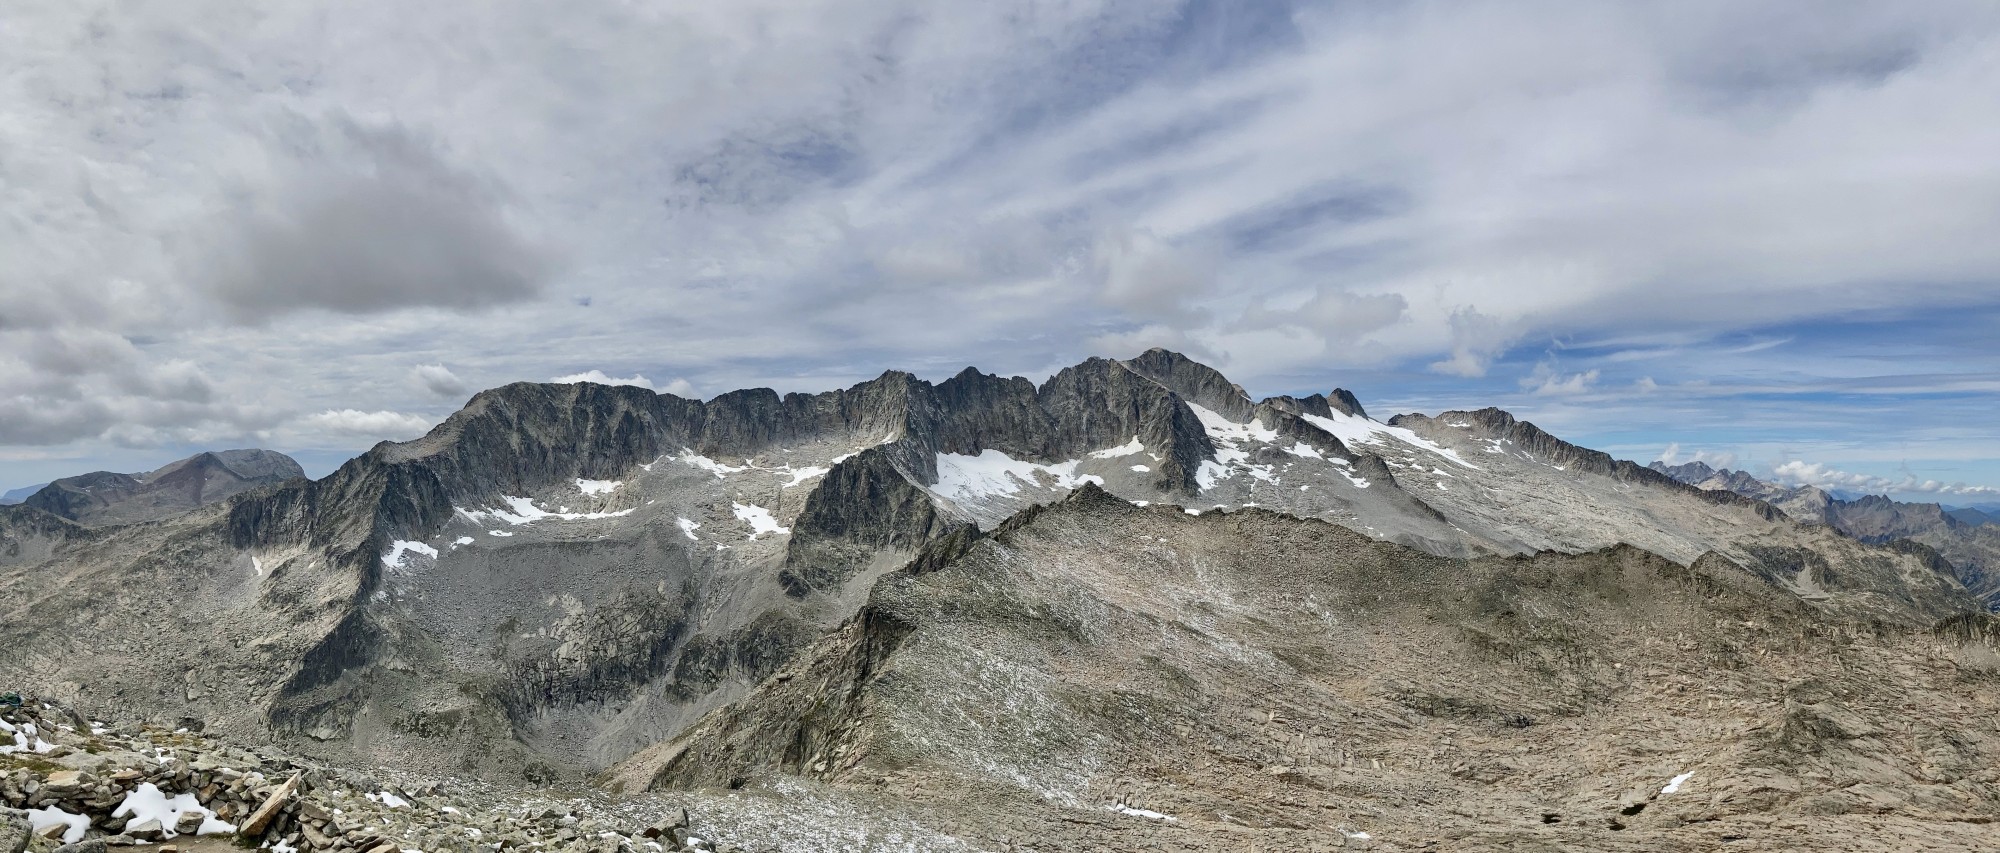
[(105, 497), (14, 496), (1968, 538), (1973, 517)]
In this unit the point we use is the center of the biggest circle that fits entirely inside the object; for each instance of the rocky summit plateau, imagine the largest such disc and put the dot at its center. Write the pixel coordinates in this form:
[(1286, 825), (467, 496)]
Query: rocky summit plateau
[(1128, 608)]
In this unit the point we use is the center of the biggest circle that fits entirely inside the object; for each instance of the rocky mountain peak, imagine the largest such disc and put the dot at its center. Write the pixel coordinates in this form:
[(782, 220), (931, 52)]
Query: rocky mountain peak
[(1195, 382), (1344, 401), (105, 497), (1691, 473)]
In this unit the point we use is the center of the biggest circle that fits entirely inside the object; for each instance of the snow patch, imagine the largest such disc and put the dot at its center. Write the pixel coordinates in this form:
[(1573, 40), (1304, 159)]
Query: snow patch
[(688, 528), (462, 540), (598, 487), (760, 520), (1223, 429), (800, 475), (992, 473), (1229, 438), (523, 511), (1209, 474), (704, 463), (399, 552), (1141, 469), (389, 799), (46, 817), (1675, 785), (146, 802), (1149, 814), (1126, 449), (1353, 429)]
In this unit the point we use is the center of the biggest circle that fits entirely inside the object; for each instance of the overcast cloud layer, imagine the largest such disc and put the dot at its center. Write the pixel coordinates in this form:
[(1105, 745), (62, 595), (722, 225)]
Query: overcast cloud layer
[(1761, 230)]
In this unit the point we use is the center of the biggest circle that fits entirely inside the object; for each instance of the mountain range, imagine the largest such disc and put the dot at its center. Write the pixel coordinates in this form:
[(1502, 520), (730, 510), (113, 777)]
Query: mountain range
[(1968, 538), (104, 497), (1127, 607)]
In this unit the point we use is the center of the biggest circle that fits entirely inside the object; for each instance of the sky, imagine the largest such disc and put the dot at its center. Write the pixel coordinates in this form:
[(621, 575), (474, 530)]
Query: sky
[(1760, 234)]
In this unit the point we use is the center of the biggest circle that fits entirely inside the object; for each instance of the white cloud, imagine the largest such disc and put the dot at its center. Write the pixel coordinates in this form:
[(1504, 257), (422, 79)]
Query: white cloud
[(677, 387), (1798, 472), (1718, 460), (438, 380), (601, 378), (1558, 385), (384, 425), (799, 193)]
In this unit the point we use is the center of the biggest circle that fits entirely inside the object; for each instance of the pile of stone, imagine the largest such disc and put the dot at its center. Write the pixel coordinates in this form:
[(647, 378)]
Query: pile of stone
[(70, 785)]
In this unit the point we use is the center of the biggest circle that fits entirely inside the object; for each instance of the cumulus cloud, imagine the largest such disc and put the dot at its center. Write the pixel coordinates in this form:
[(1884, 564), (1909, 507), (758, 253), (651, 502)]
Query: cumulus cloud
[(1718, 460), (384, 425), (66, 382), (1475, 339), (1800, 473), (438, 380), (677, 387)]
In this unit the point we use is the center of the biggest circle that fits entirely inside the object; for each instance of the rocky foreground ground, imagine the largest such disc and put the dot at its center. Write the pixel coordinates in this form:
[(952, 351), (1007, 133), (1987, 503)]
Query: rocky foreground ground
[(74, 785)]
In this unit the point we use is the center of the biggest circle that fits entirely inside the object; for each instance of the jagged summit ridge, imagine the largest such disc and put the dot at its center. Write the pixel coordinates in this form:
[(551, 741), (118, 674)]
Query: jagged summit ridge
[(560, 575)]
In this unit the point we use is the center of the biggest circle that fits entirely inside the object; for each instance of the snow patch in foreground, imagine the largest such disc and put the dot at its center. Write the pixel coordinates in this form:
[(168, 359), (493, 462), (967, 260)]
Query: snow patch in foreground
[(48, 816), (760, 520), (1675, 785), (992, 474), (688, 527), (147, 802)]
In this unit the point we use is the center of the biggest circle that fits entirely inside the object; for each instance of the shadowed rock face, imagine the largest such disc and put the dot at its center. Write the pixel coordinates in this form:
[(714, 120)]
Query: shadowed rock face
[(564, 575), (103, 497)]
